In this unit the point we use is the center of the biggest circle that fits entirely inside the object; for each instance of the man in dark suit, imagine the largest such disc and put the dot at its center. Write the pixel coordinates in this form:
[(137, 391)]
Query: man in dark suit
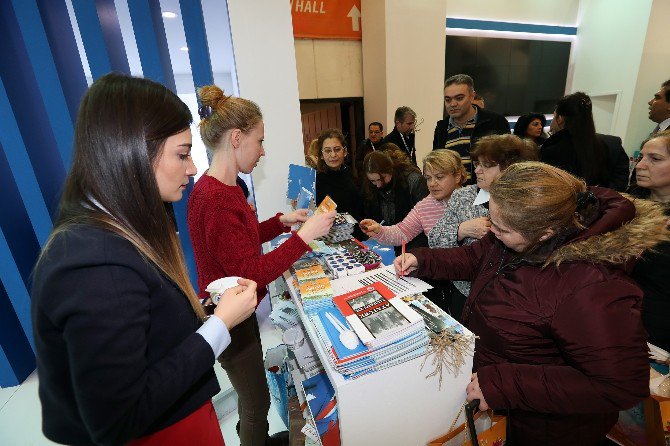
[(659, 108), (618, 163), (403, 132)]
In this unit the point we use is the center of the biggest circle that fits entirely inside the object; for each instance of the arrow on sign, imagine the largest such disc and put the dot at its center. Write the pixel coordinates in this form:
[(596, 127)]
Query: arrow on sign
[(355, 15)]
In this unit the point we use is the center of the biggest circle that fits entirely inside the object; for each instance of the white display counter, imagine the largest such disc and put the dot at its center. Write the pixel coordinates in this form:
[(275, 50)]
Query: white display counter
[(397, 406)]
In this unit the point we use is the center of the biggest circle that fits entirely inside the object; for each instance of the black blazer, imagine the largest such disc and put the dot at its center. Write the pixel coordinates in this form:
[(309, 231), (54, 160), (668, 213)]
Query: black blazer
[(117, 352), (397, 139)]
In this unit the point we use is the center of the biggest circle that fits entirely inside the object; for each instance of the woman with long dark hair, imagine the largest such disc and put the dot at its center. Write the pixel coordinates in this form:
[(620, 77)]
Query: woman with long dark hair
[(227, 238), (122, 354), (575, 146)]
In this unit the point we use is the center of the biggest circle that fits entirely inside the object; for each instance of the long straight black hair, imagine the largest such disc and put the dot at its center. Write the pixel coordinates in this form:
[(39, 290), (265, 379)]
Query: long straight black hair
[(576, 109), (120, 133)]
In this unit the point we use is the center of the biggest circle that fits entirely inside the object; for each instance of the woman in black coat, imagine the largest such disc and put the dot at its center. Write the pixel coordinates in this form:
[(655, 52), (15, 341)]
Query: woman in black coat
[(122, 350), (576, 147), (333, 176)]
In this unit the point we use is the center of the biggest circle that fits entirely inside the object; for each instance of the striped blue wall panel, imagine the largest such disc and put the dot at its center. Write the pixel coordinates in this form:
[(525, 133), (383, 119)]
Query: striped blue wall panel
[(20, 173), (29, 108), (43, 66), (65, 52), (17, 359), (156, 65), (101, 35), (14, 283), (151, 41), (196, 40)]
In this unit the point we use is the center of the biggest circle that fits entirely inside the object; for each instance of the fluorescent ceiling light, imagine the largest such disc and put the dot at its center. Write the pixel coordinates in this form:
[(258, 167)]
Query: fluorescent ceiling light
[(184, 48), (169, 15)]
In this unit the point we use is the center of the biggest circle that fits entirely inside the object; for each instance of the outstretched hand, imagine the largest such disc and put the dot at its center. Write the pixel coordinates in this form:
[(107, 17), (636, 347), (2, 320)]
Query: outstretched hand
[(317, 226), (370, 227)]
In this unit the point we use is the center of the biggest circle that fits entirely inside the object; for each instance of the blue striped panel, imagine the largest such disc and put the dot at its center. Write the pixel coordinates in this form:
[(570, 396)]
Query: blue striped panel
[(28, 107), (196, 40), (103, 43), (151, 41), (17, 358), (15, 290), (155, 58), (20, 169), (488, 25), (44, 69), (65, 52)]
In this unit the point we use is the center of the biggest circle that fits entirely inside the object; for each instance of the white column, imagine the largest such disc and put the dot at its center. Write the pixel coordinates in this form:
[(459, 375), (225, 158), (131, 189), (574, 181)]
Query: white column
[(403, 62), (262, 35)]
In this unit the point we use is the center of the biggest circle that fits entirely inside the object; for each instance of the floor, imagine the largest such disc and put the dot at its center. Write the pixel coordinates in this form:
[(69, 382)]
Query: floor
[(20, 414)]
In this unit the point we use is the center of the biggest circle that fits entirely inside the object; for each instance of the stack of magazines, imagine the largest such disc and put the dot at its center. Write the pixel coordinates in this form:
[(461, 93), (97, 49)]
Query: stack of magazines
[(313, 285), (369, 329), (343, 228)]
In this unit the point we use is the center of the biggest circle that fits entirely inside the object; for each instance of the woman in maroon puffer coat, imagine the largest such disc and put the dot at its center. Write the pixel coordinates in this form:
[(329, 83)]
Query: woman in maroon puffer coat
[(561, 343)]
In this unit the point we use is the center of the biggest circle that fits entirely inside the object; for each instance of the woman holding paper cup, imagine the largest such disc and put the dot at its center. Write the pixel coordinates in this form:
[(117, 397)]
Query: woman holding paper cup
[(560, 342), (123, 356), (227, 238)]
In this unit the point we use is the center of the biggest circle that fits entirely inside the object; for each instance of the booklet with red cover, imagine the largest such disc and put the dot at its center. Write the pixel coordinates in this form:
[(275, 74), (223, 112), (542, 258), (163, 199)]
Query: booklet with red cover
[(377, 316)]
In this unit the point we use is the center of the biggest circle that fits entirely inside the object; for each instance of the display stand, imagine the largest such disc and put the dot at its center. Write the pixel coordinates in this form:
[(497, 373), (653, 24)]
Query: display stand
[(395, 406)]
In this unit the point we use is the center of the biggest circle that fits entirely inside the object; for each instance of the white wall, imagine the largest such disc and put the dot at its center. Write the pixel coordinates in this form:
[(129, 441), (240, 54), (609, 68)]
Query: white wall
[(403, 62), (607, 54), (547, 12), (329, 68), (262, 34), (654, 70)]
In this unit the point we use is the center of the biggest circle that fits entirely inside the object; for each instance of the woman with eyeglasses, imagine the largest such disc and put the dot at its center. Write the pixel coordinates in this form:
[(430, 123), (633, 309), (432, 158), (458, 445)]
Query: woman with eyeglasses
[(651, 271), (394, 187), (466, 218), (333, 176)]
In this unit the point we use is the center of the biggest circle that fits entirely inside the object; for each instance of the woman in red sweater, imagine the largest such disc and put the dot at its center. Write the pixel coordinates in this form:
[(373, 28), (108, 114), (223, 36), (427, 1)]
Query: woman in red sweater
[(227, 238)]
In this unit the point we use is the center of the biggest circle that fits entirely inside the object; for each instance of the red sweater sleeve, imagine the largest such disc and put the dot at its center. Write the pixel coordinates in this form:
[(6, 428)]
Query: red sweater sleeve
[(226, 238), (271, 228)]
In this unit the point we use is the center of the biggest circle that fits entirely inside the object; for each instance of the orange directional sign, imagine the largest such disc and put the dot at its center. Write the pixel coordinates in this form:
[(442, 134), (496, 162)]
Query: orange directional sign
[(326, 19)]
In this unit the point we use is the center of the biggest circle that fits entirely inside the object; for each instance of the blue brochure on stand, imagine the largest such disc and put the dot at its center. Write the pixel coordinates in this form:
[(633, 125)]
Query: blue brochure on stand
[(300, 177)]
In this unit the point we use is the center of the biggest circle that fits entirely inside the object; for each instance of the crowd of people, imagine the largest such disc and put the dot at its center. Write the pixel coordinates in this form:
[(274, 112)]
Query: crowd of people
[(524, 236)]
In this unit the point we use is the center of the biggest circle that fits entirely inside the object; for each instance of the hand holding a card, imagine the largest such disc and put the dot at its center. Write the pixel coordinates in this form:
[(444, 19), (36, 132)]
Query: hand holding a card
[(317, 226), (370, 227), (298, 216)]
